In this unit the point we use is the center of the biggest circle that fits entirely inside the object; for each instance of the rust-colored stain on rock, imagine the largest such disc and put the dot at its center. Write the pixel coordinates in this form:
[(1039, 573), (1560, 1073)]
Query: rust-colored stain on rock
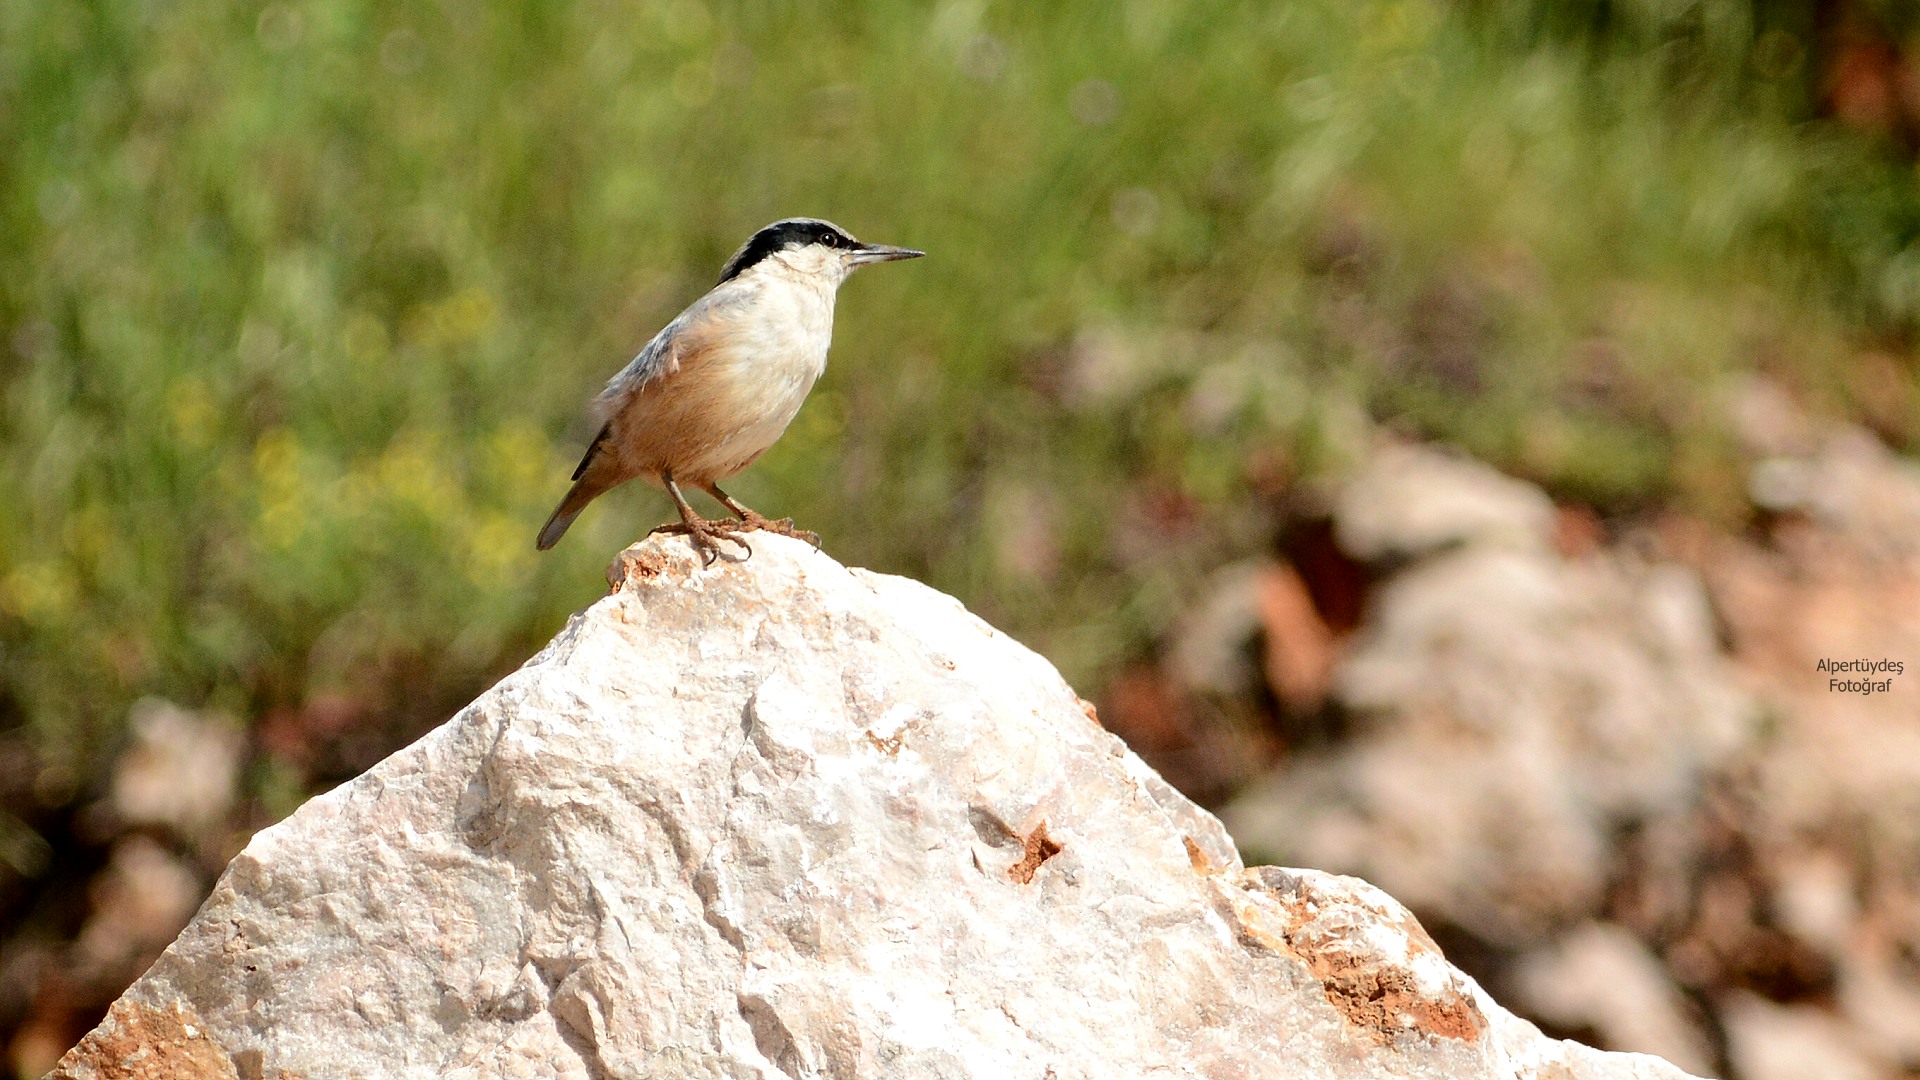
[(1377, 992), (1198, 858), (139, 1042), (1039, 848), (1377, 997), (1087, 707), (635, 564)]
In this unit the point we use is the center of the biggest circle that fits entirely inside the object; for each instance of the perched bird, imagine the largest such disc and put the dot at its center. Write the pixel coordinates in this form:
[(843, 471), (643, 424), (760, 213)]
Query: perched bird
[(715, 388)]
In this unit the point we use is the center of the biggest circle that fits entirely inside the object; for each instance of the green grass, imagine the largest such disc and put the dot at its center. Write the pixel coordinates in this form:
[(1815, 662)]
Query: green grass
[(302, 304)]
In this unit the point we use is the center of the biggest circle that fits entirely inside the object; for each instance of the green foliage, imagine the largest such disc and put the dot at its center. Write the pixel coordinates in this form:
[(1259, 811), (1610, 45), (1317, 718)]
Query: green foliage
[(302, 303)]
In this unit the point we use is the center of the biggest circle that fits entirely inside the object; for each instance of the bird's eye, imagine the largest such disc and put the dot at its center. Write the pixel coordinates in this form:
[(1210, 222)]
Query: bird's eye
[(829, 239)]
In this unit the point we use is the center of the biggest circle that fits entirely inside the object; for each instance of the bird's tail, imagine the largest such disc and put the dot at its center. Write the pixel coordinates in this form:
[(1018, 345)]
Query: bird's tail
[(589, 480), (577, 499)]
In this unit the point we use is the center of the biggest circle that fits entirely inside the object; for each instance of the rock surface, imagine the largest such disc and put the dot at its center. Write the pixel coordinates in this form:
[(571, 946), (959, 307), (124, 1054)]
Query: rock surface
[(782, 818)]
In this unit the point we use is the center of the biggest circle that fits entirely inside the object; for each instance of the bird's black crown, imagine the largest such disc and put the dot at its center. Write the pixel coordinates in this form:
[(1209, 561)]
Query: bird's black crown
[(781, 235)]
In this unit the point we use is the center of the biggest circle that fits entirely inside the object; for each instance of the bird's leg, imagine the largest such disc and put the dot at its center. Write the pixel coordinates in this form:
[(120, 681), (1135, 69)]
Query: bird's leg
[(706, 535), (753, 520)]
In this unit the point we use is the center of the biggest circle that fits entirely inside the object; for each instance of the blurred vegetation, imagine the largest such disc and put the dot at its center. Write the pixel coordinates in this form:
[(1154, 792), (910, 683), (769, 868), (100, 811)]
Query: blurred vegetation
[(301, 302)]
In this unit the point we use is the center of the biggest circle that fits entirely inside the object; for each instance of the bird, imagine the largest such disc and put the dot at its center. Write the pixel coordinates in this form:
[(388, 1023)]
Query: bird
[(720, 383)]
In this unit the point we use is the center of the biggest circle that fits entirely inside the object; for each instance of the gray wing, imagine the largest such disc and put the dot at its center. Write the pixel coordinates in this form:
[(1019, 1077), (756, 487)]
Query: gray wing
[(658, 358)]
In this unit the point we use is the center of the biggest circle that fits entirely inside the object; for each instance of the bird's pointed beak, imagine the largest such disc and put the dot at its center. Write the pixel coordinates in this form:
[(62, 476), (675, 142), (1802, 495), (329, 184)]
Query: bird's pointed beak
[(873, 253)]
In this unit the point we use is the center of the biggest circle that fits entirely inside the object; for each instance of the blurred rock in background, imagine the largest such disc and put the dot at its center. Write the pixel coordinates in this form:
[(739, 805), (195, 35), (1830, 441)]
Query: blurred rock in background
[(1565, 700), (1606, 770), (165, 828)]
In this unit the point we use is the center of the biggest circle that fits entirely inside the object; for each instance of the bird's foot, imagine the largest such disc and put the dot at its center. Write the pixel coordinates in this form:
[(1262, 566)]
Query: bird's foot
[(749, 520), (706, 536)]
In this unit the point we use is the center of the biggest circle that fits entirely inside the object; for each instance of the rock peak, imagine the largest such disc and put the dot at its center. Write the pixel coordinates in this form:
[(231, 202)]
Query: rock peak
[(782, 818)]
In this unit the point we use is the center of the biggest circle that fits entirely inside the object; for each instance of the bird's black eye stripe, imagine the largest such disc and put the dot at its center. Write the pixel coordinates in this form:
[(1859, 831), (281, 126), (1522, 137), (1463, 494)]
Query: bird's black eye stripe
[(782, 236)]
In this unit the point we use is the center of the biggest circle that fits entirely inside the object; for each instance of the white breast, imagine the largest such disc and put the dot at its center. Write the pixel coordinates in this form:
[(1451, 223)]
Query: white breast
[(778, 340)]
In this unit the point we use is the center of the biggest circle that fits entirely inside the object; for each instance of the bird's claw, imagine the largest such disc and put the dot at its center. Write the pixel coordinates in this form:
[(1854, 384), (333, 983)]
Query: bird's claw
[(706, 536), (782, 527)]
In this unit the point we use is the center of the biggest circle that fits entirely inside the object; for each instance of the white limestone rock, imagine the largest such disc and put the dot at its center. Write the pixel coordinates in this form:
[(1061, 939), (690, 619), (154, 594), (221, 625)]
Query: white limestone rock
[(784, 819)]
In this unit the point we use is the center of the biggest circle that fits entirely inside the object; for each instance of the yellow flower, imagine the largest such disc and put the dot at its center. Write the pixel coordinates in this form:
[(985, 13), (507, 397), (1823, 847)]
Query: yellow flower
[(38, 591)]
